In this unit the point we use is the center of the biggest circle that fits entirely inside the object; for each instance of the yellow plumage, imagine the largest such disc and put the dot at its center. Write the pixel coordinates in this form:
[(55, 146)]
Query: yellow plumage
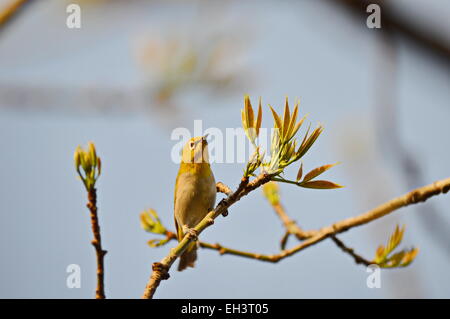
[(195, 193)]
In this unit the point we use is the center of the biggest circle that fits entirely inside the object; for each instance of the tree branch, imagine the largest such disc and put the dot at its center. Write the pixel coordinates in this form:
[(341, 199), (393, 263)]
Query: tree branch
[(160, 270), (290, 224), (10, 11), (224, 250), (358, 259), (230, 251), (277, 257), (97, 243), (292, 228), (222, 188), (418, 195)]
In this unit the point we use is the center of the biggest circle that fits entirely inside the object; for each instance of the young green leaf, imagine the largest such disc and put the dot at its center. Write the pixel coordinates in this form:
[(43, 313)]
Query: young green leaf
[(403, 258), (300, 173), (286, 119), (309, 141), (150, 222), (248, 110), (317, 171), (292, 124), (276, 119), (395, 239), (320, 185), (157, 242), (270, 191), (259, 118), (409, 257)]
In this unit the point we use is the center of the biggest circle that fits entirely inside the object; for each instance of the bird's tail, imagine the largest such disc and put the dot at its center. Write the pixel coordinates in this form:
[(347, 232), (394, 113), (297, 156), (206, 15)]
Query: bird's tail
[(188, 258)]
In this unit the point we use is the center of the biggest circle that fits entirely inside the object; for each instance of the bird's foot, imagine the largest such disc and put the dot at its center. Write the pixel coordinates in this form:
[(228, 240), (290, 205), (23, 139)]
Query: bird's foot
[(225, 213), (193, 234)]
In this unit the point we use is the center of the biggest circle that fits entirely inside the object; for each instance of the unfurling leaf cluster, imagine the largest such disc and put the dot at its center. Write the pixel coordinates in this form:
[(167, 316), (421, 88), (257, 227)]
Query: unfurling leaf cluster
[(385, 256), (151, 223), (271, 192), (284, 148), (309, 182), (88, 165)]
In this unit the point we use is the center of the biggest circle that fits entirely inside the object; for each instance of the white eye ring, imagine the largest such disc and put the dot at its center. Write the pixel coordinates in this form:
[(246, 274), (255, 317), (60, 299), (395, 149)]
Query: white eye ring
[(191, 145)]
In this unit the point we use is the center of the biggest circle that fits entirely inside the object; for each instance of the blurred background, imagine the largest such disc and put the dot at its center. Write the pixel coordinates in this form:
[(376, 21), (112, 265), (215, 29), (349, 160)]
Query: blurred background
[(136, 70)]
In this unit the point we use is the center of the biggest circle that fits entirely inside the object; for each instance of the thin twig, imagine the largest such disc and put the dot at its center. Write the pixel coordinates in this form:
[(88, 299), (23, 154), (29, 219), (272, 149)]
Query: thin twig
[(293, 228), (223, 250), (230, 251), (222, 188), (358, 259), (284, 240), (97, 243), (290, 225)]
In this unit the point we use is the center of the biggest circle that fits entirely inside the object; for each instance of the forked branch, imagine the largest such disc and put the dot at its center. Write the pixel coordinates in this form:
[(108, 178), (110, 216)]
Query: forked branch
[(160, 270), (284, 151)]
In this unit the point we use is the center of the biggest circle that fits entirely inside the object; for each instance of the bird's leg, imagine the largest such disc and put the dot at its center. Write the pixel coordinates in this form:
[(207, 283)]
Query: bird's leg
[(191, 231), (225, 213)]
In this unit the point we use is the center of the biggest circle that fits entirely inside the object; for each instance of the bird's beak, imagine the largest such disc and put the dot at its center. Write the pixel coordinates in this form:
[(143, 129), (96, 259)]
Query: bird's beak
[(203, 139)]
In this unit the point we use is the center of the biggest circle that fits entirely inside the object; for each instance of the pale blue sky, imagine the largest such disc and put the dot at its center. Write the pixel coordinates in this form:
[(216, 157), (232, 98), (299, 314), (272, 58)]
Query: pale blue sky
[(300, 49)]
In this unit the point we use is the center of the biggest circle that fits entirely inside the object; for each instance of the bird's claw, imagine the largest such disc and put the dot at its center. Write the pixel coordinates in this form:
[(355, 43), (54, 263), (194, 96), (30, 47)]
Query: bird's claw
[(225, 213), (192, 233)]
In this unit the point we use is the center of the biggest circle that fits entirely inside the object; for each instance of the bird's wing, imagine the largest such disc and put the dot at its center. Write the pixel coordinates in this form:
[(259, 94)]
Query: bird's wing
[(178, 228), (180, 234)]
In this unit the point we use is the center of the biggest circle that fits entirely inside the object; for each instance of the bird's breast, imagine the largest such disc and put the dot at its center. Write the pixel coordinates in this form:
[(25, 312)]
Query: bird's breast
[(195, 196)]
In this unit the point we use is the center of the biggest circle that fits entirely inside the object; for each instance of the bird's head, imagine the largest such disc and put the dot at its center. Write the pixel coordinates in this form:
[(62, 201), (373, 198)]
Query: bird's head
[(195, 151)]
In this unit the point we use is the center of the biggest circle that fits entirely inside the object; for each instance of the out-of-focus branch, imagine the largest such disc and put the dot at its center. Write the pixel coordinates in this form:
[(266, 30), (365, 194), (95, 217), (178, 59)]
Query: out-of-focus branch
[(391, 23), (10, 11)]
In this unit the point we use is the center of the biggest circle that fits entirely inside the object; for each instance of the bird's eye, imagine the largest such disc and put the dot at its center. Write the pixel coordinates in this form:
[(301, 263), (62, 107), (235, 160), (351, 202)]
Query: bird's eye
[(191, 145)]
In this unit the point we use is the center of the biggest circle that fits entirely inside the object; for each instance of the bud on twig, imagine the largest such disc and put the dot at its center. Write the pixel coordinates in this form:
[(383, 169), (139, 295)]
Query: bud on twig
[(88, 165)]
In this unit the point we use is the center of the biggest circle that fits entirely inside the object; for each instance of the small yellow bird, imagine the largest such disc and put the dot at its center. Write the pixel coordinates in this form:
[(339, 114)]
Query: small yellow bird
[(195, 194)]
